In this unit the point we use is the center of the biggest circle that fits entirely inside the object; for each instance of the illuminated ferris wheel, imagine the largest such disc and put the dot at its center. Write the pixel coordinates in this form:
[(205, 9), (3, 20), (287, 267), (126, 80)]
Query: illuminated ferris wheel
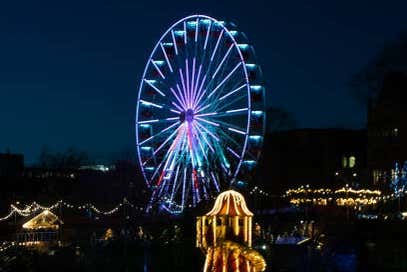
[(200, 112)]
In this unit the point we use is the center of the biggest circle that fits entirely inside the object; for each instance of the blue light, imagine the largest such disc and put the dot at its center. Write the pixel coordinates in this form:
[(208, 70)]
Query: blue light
[(146, 148), (251, 65), (191, 23), (243, 46), (179, 32), (257, 113), (206, 21), (256, 87), (159, 62), (250, 162), (255, 137)]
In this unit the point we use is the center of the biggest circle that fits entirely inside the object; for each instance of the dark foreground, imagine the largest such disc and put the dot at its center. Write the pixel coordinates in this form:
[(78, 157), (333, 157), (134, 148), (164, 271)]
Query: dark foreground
[(358, 246)]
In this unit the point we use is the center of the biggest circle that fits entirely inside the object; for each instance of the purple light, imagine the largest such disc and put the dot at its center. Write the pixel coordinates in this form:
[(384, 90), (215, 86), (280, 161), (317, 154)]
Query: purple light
[(188, 96), (183, 86), (233, 152), (192, 91), (178, 99)]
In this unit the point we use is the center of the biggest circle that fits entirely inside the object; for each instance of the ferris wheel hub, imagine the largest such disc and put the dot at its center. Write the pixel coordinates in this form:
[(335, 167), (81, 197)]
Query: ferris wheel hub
[(187, 115)]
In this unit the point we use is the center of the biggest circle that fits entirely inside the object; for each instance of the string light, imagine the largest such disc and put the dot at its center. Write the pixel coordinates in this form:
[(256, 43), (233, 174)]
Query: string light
[(34, 208), (345, 196)]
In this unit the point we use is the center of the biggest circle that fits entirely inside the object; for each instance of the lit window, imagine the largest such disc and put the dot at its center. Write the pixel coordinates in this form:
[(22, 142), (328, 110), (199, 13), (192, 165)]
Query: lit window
[(344, 162), (352, 161)]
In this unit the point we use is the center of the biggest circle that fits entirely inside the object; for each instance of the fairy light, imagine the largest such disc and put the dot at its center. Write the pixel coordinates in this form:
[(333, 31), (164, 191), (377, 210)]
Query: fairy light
[(345, 196), (34, 208)]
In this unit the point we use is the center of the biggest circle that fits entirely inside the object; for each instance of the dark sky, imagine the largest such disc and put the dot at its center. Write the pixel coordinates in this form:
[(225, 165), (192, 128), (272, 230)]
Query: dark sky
[(69, 70)]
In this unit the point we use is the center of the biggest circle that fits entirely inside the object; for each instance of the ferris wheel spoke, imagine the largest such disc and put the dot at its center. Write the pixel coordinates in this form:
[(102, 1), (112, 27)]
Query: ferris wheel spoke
[(217, 87), (215, 182), (183, 86), (159, 133), (166, 141), (207, 131), (174, 185), (154, 62), (226, 78), (191, 88), (222, 61), (233, 152), (200, 93), (187, 89), (151, 82), (147, 103), (166, 57), (207, 34), (231, 139), (224, 107), (233, 128), (182, 103), (205, 139), (185, 33), (174, 42), (177, 106), (166, 158), (200, 109), (232, 92), (194, 87), (217, 44)]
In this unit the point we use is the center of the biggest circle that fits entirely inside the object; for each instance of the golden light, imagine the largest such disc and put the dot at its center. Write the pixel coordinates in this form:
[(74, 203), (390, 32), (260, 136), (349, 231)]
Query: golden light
[(225, 236)]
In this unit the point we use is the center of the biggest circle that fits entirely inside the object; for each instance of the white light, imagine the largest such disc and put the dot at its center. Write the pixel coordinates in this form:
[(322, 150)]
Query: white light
[(147, 103), (237, 131), (148, 121), (237, 110)]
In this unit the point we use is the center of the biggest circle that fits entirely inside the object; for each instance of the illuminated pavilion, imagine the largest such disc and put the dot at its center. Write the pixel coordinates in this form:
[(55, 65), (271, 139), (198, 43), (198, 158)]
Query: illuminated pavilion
[(225, 236)]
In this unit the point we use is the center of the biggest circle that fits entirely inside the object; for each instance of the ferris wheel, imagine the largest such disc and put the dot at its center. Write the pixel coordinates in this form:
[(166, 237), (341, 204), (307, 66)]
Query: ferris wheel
[(200, 112)]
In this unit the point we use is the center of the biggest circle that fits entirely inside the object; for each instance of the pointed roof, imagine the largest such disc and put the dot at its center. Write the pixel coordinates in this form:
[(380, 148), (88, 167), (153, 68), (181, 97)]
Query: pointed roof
[(45, 220), (230, 203)]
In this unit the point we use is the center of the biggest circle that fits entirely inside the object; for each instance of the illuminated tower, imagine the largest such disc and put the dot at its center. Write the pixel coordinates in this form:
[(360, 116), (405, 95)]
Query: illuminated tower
[(225, 236)]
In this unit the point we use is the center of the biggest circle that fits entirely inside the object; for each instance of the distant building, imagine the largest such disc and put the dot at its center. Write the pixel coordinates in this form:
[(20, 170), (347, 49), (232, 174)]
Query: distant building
[(11, 165), (318, 157), (387, 129)]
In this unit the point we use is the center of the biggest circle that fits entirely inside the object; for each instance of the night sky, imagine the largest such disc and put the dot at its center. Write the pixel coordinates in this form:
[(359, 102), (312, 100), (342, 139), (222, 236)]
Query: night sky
[(69, 70)]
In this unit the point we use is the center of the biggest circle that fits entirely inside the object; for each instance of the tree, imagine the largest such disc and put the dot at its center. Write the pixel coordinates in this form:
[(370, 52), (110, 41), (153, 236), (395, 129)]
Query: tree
[(70, 158), (279, 119), (366, 84)]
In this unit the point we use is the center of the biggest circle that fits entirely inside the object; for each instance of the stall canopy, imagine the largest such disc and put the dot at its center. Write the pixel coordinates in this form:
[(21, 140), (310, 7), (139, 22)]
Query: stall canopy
[(46, 220)]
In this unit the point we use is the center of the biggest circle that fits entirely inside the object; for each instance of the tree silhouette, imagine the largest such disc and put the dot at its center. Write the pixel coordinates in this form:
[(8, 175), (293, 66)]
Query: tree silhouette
[(392, 58)]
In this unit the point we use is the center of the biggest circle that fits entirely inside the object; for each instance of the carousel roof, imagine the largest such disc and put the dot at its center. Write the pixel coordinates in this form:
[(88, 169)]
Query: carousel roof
[(44, 220), (230, 203)]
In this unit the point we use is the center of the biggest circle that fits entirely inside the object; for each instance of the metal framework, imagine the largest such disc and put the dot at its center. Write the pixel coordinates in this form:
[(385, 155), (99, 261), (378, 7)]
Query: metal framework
[(200, 112)]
